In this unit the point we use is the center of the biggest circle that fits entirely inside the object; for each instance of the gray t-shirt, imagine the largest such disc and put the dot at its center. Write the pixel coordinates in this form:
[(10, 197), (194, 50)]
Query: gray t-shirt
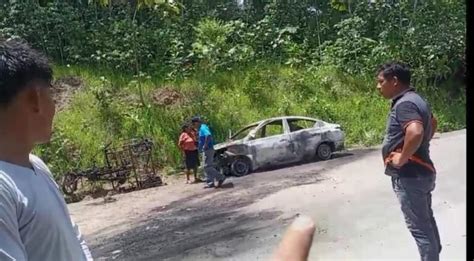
[(406, 108), (34, 220)]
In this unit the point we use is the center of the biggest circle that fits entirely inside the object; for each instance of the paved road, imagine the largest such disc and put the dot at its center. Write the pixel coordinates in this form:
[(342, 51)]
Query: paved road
[(357, 214)]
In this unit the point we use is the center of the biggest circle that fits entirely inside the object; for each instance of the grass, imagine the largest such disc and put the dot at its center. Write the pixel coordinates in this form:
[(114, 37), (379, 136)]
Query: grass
[(111, 108)]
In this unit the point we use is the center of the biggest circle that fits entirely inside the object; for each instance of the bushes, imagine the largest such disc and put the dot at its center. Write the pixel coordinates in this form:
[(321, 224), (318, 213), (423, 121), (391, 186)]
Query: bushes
[(90, 36), (177, 39), (102, 113), (235, 64)]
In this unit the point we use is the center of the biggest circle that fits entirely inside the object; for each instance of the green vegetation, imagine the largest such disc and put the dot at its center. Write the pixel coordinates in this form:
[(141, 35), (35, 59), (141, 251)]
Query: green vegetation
[(146, 66)]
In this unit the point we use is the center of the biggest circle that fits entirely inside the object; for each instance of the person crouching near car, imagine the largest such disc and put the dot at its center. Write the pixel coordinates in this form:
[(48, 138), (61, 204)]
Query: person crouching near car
[(187, 144)]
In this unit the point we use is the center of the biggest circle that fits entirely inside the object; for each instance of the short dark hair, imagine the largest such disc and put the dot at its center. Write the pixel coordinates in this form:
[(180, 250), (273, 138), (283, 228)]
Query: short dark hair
[(398, 69), (196, 119), (19, 65), (184, 126)]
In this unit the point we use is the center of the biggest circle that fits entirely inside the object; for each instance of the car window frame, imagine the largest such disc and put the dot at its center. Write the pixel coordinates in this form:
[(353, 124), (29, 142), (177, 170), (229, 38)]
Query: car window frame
[(284, 125), (252, 128), (314, 121)]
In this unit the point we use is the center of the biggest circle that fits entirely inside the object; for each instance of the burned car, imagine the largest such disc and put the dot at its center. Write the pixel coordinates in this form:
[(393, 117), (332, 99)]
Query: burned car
[(278, 141)]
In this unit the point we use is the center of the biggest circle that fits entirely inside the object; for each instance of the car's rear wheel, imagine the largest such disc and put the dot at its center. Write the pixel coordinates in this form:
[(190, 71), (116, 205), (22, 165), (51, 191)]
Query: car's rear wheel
[(324, 151), (240, 167)]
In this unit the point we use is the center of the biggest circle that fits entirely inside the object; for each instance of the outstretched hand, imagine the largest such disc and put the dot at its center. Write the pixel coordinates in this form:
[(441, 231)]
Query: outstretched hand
[(296, 242)]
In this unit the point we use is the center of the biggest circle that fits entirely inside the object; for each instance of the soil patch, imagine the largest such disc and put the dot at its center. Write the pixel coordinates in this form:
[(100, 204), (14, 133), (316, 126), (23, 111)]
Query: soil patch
[(64, 88), (168, 96)]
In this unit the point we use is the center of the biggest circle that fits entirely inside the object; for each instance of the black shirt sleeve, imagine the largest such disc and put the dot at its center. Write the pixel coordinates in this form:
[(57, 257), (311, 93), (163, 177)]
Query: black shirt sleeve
[(407, 112)]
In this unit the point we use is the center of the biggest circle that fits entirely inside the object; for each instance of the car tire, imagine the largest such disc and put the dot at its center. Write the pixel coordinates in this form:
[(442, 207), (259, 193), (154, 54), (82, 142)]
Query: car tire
[(240, 167), (324, 151)]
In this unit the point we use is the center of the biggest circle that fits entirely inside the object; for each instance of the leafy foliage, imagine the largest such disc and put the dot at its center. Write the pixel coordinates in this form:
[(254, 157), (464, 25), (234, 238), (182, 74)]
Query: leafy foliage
[(177, 37), (235, 63)]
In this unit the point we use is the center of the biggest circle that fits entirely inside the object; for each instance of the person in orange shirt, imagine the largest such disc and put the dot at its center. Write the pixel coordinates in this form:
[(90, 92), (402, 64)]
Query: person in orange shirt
[(187, 143)]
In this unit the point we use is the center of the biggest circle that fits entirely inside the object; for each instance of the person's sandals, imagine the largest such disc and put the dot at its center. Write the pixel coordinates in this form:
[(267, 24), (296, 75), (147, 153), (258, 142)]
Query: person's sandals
[(188, 181)]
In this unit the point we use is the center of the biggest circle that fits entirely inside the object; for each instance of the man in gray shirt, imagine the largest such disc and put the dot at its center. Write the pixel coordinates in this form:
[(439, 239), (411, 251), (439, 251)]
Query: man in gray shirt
[(34, 220), (406, 153)]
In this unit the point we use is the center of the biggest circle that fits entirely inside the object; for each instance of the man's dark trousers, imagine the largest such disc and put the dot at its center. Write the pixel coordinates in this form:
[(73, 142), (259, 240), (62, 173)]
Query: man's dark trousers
[(414, 194)]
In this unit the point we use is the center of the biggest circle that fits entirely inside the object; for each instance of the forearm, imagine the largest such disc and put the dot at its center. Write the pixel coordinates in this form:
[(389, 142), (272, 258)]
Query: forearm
[(11, 243), (80, 238), (434, 126), (412, 141)]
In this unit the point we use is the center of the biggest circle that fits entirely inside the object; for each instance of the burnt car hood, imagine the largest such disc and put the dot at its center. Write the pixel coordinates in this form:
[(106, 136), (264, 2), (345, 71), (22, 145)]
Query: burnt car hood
[(227, 144)]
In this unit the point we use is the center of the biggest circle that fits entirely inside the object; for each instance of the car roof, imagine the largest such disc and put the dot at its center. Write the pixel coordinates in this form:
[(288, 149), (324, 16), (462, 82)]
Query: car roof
[(282, 118)]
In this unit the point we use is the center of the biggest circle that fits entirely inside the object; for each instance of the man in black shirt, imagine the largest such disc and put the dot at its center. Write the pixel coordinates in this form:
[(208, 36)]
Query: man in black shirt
[(405, 151)]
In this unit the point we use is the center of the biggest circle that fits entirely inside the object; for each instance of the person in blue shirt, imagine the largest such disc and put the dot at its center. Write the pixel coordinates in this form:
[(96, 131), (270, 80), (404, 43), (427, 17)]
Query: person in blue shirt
[(206, 146)]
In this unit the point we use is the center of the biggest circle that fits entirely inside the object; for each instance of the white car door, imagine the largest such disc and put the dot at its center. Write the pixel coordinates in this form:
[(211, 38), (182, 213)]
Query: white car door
[(305, 135), (272, 144)]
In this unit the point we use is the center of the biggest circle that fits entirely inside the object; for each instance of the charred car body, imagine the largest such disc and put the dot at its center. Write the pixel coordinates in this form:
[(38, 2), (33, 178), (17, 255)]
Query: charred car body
[(278, 141)]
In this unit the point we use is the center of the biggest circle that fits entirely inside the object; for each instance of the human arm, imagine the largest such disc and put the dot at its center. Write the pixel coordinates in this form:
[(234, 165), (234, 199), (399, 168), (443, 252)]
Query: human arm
[(80, 238), (434, 125), (11, 245), (410, 118), (206, 133), (206, 142), (181, 143)]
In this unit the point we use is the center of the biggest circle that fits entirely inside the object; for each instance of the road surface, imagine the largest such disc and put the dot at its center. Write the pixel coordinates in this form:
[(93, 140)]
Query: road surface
[(357, 214)]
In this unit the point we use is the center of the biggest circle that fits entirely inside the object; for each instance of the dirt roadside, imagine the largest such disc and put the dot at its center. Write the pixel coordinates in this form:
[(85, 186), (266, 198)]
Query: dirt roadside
[(164, 220)]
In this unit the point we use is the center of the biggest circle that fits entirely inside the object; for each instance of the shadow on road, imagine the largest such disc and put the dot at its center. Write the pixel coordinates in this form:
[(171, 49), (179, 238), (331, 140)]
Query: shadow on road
[(211, 219), (349, 155), (175, 232), (227, 185)]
